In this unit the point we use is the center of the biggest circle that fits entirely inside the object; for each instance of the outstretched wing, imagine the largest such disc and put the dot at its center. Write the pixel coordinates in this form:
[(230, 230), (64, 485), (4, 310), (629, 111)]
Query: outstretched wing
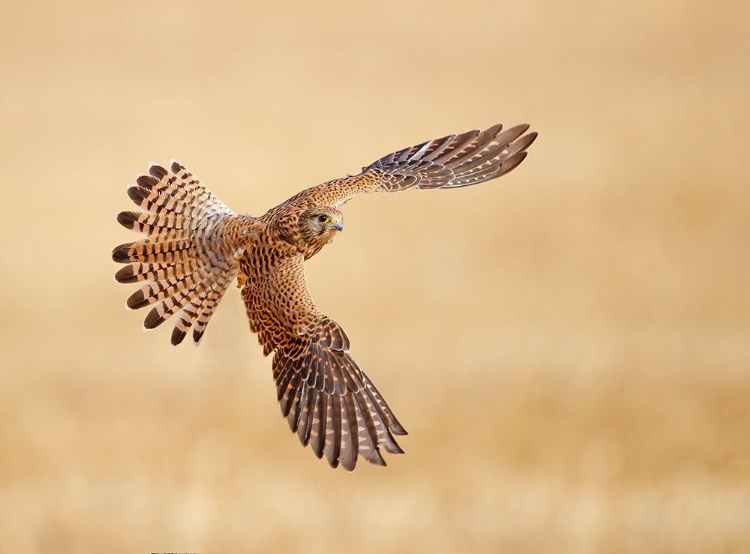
[(450, 162), (327, 399)]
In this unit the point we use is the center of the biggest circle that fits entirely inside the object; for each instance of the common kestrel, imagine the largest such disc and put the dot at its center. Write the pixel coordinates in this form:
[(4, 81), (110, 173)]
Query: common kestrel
[(196, 246)]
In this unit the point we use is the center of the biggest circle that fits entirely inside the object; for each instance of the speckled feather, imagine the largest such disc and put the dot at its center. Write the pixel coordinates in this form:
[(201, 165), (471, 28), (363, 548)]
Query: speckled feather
[(195, 246)]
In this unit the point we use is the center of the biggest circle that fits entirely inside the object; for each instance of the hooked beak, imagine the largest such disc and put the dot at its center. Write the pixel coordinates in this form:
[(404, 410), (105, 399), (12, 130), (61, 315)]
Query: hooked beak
[(338, 226)]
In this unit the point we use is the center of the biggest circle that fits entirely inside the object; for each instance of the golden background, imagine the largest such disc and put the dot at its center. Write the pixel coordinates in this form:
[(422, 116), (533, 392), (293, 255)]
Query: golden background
[(569, 346)]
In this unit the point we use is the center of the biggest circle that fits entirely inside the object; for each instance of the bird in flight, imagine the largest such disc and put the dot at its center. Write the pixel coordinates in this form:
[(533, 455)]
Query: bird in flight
[(195, 247)]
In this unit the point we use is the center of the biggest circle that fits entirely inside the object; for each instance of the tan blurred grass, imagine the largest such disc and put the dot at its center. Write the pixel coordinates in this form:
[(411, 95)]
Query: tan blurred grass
[(568, 346)]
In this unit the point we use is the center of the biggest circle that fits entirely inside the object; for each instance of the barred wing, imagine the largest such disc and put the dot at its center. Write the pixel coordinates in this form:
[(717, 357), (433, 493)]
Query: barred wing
[(449, 162), (327, 399)]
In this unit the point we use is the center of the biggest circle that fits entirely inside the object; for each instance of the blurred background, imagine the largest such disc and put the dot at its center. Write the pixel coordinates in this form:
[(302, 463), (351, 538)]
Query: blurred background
[(569, 346)]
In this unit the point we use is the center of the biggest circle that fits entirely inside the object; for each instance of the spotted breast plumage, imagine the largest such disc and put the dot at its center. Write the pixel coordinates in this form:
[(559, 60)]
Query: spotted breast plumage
[(195, 247)]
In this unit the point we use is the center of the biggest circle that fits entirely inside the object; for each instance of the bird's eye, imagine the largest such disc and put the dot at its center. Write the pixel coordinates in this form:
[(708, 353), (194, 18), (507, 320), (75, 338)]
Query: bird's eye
[(324, 218)]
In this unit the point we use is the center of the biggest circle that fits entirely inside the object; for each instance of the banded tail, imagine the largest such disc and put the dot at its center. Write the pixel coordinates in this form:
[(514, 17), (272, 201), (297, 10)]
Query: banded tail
[(189, 257)]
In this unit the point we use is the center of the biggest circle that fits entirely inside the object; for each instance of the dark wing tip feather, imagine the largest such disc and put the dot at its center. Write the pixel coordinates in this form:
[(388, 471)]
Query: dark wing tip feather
[(454, 161), (495, 129), (377, 458), (519, 129), (393, 447), (513, 162), (527, 140), (397, 429), (343, 422)]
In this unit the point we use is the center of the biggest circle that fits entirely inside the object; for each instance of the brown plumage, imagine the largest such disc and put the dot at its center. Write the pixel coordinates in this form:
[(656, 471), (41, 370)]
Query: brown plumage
[(196, 246)]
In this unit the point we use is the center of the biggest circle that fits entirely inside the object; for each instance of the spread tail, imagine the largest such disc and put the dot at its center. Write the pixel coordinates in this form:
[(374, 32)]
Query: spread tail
[(189, 256)]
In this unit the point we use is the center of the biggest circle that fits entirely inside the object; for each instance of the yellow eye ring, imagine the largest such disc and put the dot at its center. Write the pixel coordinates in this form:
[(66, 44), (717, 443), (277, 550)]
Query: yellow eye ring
[(324, 218)]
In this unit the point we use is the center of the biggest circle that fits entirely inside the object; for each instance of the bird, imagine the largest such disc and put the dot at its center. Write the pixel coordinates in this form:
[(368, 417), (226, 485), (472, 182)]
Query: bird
[(195, 247)]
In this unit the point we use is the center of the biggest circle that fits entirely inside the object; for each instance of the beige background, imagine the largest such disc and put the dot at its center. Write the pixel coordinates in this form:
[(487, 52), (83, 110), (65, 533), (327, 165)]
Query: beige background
[(569, 346)]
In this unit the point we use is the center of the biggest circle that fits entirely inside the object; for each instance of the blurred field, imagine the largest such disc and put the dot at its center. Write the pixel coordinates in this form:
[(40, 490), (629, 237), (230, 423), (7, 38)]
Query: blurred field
[(569, 346)]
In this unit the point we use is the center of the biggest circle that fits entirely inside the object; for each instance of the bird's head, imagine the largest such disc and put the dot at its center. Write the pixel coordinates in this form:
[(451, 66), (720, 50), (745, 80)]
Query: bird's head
[(320, 225)]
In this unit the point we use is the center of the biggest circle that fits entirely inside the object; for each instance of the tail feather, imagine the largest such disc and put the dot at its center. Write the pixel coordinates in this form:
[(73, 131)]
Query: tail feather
[(177, 191), (155, 223), (152, 201), (188, 316), (156, 291), (166, 308), (156, 249), (137, 271), (188, 258), (198, 312), (208, 306)]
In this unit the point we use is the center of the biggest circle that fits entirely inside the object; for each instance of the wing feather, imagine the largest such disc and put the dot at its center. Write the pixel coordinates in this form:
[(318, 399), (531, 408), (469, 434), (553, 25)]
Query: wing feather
[(326, 398), (450, 162)]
